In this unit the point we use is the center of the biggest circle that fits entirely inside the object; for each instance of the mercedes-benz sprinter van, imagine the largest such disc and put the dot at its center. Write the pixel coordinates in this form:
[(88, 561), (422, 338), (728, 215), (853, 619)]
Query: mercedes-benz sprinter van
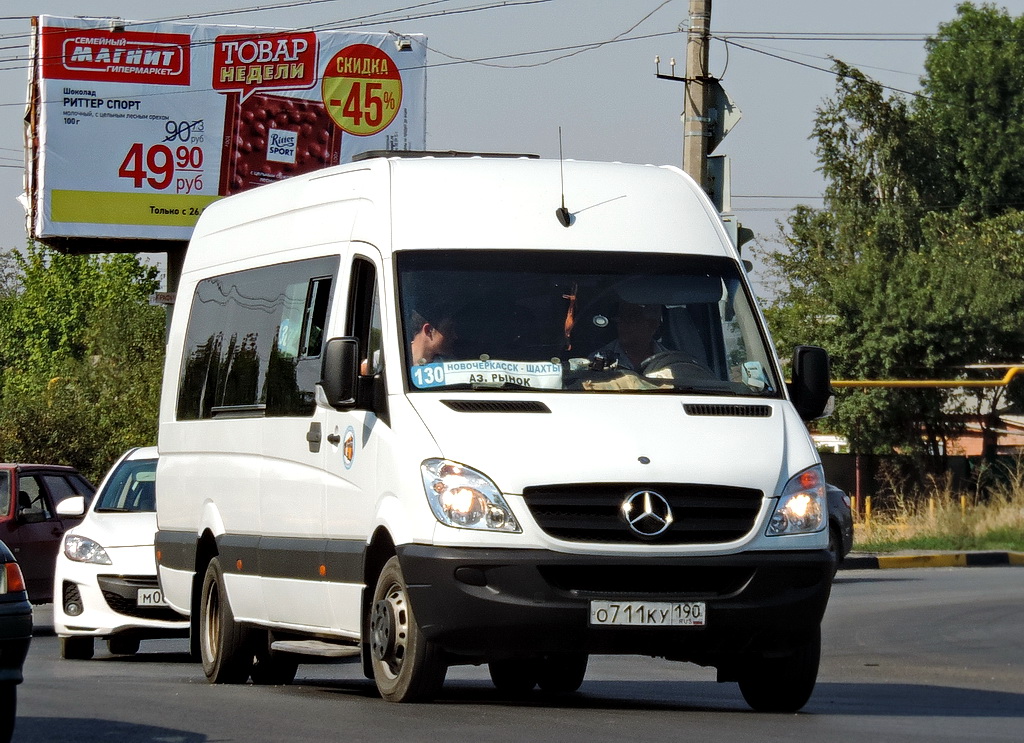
[(435, 410)]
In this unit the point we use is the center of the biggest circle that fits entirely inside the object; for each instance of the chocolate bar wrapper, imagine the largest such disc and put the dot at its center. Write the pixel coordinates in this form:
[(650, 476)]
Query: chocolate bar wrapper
[(270, 137)]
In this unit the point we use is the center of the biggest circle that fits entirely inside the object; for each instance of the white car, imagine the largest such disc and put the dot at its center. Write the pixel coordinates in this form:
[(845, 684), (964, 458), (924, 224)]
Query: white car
[(105, 582)]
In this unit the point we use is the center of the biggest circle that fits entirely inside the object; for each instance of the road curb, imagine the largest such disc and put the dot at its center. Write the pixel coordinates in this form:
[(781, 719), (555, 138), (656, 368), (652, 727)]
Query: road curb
[(938, 560)]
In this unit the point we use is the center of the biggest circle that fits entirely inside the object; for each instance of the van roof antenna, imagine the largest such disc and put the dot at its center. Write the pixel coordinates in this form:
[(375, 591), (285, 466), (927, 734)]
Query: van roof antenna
[(565, 218)]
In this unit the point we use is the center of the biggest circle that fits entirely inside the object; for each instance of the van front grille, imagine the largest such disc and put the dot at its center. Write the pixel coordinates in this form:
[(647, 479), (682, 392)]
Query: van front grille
[(497, 406), (732, 411), (593, 512)]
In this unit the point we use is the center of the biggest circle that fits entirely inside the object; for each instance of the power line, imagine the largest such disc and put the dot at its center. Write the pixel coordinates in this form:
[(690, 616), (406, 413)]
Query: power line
[(827, 70), (377, 18), (576, 50)]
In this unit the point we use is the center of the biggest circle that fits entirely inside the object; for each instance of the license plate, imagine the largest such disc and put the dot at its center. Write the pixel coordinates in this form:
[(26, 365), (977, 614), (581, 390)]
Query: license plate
[(648, 613), (150, 597)]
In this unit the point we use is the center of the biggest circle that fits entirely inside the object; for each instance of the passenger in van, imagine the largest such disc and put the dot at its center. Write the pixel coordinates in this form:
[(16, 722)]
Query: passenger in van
[(636, 325), (431, 341)]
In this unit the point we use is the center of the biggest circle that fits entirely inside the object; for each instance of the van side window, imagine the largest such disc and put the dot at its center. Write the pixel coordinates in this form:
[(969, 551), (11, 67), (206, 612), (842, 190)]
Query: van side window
[(253, 341)]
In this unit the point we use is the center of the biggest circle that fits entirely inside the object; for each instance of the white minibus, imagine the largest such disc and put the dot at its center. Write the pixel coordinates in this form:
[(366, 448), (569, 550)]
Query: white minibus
[(429, 409)]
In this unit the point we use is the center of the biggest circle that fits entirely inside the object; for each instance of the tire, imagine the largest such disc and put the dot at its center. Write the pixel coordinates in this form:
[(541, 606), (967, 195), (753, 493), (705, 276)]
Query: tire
[(515, 676), (562, 673), (225, 645), (270, 668), (782, 684), (8, 709), (835, 541), (407, 667), (76, 648), (120, 645)]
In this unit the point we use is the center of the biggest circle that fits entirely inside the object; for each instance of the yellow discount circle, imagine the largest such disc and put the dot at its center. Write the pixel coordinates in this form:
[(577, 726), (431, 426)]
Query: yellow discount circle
[(362, 89)]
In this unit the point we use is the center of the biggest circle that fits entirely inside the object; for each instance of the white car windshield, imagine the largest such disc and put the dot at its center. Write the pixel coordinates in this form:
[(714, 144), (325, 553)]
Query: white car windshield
[(580, 322), (131, 488)]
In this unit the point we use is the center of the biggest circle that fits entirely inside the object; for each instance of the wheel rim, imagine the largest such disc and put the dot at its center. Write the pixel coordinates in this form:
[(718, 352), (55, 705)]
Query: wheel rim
[(211, 624), (389, 630)]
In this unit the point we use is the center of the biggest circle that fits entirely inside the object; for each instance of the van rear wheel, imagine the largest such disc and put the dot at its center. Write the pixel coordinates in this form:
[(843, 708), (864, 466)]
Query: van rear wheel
[(407, 667), (515, 676), (562, 673), (76, 648), (225, 645), (123, 645), (272, 668)]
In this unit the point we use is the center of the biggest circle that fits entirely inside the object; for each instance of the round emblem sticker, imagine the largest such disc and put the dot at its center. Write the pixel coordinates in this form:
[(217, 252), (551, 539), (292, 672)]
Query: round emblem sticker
[(362, 89), (348, 447)]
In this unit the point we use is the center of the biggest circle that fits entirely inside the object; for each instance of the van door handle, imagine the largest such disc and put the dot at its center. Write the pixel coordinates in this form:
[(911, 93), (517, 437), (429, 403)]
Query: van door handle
[(334, 438), (313, 437)]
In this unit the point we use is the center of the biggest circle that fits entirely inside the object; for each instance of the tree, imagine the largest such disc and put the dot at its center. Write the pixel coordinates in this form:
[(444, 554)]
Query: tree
[(973, 106), (82, 354), (909, 271)]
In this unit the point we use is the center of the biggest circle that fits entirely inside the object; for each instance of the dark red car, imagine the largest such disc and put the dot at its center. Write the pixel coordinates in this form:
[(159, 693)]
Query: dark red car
[(29, 524)]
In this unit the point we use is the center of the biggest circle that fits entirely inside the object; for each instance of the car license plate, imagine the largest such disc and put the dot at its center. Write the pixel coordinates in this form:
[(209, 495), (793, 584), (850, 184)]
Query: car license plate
[(648, 613), (150, 597)]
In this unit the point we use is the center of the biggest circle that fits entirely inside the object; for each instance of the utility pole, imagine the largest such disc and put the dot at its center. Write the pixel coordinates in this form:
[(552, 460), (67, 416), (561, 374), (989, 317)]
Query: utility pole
[(697, 95)]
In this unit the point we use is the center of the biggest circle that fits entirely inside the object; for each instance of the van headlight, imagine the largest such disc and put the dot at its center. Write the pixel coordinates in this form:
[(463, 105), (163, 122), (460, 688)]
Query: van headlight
[(803, 505), (464, 498), (83, 549)]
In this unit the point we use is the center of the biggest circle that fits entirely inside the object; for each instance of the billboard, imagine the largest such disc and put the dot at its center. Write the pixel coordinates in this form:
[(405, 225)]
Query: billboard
[(134, 128)]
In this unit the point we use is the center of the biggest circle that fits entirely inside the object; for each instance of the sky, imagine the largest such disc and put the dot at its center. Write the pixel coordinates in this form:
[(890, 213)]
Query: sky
[(506, 75)]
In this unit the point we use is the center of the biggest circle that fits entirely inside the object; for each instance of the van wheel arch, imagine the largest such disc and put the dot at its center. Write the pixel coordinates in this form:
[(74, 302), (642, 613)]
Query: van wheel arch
[(380, 549)]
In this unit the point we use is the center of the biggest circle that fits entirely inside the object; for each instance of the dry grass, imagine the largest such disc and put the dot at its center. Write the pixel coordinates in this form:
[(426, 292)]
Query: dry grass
[(939, 517)]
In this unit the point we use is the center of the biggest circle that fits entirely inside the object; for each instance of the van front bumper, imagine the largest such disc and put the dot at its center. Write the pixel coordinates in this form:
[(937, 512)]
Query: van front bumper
[(487, 604)]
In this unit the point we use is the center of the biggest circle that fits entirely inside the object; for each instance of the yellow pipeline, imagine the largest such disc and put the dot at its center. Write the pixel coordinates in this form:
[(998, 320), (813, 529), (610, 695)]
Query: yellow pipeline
[(1010, 374)]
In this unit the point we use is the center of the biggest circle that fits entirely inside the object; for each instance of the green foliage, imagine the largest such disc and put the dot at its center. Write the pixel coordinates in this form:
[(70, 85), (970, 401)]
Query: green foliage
[(913, 269), (82, 354), (973, 105)]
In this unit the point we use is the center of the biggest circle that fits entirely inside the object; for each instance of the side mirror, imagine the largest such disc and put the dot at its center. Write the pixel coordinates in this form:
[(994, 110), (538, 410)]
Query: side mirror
[(811, 388), (339, 371), (72, 508)]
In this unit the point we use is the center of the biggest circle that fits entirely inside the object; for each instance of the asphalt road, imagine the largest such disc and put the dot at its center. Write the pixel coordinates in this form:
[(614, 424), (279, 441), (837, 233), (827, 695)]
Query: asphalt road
[(909, 655)]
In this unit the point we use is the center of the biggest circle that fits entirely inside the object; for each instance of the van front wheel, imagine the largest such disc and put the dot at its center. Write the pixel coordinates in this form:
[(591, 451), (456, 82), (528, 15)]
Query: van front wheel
[(225, 645), (407, 667), (782, 684)]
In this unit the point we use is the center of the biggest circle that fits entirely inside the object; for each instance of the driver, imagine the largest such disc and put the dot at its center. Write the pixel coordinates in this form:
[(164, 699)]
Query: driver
[(432, 338), (636, 325)]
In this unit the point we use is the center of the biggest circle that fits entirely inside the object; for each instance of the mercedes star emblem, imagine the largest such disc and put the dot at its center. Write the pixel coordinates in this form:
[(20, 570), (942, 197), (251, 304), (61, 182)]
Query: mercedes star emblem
[(647, 513)]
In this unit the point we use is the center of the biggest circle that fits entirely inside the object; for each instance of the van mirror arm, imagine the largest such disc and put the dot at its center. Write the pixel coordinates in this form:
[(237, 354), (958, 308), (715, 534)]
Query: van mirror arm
[(339, 371), (811, 387)]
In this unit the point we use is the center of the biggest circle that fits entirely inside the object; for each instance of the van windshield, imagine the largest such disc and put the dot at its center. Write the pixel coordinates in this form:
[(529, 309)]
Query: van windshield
[(580, 322)]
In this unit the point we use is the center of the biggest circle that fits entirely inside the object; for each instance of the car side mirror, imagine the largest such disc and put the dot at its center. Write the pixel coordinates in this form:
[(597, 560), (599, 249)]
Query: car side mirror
[(339, 371), (811, 387), (72, 507)]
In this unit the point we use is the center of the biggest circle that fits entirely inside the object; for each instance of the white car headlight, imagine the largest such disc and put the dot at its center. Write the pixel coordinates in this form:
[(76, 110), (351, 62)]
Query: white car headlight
[(464, 498), (803, 505), (83, 549)]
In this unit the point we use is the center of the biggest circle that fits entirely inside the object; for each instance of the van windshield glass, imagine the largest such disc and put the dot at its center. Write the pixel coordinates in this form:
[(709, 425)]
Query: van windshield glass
[(580, 322)]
